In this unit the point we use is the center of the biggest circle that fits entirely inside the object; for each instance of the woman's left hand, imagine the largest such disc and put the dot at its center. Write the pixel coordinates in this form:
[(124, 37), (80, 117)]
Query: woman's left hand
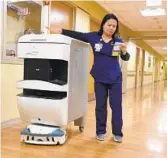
[(123, 48)]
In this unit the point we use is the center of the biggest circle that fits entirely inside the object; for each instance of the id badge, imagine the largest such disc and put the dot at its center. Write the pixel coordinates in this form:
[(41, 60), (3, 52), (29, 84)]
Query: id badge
[(98, 47), (116, 49), (115, 53)]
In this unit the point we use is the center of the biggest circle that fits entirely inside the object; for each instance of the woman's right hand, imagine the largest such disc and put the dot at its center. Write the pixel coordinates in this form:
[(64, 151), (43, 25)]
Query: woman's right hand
[(55, 30)]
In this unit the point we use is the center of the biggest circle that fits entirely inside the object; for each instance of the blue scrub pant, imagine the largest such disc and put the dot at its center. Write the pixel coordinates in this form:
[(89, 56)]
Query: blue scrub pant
[(102, 90)]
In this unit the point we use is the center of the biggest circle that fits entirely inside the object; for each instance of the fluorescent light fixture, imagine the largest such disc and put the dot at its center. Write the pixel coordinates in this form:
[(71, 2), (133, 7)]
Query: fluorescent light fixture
[(153, 12), (164, 48), (152, 3)]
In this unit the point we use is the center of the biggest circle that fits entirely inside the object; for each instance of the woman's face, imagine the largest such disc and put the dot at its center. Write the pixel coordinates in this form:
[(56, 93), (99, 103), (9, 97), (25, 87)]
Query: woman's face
[(110, 27)]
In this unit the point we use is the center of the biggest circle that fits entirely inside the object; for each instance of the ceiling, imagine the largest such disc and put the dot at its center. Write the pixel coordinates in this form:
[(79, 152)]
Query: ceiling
[(152, 30)]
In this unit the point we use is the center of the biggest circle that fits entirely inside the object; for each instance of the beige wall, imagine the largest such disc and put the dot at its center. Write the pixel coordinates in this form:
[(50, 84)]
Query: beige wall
[(14, 28), (131, 66), (148, 79), (165, 69), (162, 71), (131, 48), (140, 68), (157, 70), (10, 75), (94, 26), (148, 69)]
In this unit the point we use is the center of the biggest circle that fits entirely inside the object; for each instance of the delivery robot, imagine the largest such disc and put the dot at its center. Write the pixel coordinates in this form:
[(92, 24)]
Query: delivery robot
[(54, 86)]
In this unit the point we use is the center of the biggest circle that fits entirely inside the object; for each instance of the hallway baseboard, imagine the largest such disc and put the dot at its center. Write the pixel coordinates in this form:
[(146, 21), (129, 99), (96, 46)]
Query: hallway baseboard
[(10, 123)]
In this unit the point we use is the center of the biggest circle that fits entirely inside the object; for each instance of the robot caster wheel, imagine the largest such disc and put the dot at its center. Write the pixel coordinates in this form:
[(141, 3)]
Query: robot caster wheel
[(81, 129)]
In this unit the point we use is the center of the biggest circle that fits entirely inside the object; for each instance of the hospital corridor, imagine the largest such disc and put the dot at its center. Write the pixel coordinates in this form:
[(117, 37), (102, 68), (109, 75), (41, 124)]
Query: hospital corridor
[(83, 79), (145, 115)]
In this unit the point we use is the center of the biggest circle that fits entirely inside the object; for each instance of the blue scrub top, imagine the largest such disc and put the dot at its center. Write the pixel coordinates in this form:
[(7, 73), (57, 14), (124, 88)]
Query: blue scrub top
[(106, 67)]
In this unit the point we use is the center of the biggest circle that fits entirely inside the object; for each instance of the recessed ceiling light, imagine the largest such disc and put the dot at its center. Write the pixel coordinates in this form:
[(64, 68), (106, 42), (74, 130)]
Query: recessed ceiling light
[(152, 3), (153, 12), (164, 48)]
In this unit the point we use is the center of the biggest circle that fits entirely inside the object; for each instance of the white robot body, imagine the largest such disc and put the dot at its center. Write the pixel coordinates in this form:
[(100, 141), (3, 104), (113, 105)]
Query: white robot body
[(54, 85)]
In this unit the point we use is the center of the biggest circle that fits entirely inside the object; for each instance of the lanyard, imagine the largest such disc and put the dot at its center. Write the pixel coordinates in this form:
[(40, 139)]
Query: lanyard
[(99, 46)]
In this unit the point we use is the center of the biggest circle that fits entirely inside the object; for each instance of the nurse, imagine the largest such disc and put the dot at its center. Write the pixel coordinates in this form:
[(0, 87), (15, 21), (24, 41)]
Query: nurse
[(107, 48)]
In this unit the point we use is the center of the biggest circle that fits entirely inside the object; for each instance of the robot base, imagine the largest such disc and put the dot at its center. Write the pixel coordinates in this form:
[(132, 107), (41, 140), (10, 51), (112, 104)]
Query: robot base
[(39, 140), (43, 135)]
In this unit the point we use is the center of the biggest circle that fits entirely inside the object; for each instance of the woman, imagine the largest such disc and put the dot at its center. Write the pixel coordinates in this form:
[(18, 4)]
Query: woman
[(106, 72)]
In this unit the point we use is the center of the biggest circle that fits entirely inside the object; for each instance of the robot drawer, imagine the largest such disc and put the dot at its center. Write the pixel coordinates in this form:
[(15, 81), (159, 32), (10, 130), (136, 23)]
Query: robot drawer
[(43, 111)]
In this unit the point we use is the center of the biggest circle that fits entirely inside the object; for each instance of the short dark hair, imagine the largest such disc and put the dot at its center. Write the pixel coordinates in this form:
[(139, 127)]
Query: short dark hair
[(105, 19)]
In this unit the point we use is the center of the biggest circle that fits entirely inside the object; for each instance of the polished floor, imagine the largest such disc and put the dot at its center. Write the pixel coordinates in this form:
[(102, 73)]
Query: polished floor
[(145, 132)]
